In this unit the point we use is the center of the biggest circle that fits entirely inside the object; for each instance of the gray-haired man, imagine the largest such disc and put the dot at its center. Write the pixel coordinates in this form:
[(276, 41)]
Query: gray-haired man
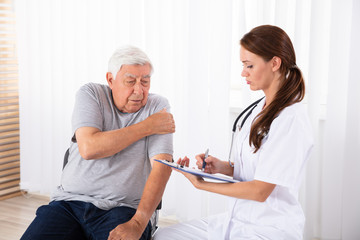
[(111, 186)]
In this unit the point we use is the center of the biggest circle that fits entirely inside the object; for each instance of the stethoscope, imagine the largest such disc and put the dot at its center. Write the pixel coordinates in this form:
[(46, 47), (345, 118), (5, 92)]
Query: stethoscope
[(251, 107)]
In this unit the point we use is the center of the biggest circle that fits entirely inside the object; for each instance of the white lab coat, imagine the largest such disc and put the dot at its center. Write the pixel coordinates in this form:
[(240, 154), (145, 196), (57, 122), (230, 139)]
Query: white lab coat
[(281, 160)]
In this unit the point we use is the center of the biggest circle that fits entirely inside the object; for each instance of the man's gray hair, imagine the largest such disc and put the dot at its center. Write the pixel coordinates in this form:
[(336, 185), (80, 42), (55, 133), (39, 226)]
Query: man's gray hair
[(128, 55)]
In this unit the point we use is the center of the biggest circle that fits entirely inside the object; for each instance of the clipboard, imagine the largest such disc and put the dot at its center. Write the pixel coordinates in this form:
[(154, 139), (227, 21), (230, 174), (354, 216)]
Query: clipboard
[(198, 172)]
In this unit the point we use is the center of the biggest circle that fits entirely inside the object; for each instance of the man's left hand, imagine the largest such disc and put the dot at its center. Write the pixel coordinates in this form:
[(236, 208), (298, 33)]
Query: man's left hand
[(130, 230)]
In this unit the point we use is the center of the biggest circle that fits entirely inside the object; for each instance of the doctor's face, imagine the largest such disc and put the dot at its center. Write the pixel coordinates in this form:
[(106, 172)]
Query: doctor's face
[(256, 71), (130, 88)]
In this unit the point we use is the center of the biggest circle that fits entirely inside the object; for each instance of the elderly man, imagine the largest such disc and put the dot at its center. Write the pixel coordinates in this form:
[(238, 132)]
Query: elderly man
[(111, 186)]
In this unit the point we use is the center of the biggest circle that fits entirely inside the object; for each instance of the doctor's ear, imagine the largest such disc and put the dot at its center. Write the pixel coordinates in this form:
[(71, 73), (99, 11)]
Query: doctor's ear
[(276, 63)]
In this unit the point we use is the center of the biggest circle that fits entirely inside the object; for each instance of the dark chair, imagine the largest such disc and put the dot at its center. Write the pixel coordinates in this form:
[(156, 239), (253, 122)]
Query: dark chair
[(66, 158)]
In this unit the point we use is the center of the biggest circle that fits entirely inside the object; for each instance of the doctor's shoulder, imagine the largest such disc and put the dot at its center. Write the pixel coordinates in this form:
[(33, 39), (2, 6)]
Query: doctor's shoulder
[(296, 115), (295, 110)]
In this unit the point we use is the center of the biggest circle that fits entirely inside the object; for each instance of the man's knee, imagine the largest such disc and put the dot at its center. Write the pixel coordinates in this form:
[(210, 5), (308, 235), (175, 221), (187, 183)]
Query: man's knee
[(52, 221)]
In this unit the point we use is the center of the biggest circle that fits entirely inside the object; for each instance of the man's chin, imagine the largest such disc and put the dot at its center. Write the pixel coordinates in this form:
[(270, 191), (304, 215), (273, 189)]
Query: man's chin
[(134, 108)]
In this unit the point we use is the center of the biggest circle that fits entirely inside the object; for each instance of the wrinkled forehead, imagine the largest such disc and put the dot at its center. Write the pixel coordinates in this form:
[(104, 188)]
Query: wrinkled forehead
[(135, 70), (145, 65), (130, 75)]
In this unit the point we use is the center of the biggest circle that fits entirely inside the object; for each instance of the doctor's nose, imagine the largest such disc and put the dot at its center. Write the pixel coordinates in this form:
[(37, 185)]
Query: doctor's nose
[(244, 73)]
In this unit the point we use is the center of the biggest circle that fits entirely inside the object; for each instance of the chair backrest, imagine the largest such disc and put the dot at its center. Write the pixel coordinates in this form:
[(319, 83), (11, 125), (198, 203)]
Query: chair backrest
[(66, 158)]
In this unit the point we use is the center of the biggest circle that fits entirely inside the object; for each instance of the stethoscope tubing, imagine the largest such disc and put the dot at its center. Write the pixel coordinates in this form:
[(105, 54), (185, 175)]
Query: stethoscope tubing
[(251, 108)]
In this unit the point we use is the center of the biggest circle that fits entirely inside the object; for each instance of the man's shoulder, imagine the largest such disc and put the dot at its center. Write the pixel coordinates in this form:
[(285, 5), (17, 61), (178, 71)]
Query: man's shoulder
[(95, 87), (95, 90), (155, 103), (155, 99)]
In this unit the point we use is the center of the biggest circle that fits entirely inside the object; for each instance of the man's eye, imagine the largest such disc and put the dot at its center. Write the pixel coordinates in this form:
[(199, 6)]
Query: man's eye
[(250, 66), (144, 82), (131, 82)]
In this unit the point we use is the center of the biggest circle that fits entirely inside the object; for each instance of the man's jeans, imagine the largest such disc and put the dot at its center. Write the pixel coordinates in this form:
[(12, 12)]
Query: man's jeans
[(77, 220)]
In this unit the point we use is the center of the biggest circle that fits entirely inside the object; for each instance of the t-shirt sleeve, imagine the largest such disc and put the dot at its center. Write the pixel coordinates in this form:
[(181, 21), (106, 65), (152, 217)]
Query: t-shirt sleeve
[(284, 152), (87, 111), (160, 143)]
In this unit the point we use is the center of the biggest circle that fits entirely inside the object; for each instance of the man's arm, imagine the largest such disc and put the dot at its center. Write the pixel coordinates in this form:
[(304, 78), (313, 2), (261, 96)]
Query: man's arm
[(151, 197), (95, 144)]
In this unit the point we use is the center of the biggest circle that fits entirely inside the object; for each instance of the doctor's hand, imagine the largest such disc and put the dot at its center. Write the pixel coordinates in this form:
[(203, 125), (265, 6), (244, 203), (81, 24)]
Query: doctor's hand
[(183, 161), (195, 180), (213, 165)]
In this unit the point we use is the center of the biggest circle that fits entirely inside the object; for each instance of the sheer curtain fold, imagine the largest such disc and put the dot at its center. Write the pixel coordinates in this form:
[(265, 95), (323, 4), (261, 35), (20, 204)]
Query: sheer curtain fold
[(341, 135), (351, 192), (194, 47)]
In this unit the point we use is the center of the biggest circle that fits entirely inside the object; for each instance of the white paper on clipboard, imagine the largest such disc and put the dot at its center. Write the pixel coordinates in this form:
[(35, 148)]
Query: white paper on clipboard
[(197, 172)]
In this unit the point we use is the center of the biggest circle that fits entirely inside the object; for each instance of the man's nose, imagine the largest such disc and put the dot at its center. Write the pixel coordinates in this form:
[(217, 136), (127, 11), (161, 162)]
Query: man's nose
[(138, 88)]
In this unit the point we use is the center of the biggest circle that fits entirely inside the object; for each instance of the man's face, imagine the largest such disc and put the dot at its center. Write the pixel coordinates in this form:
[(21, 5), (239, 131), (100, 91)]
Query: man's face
[(131, 86)]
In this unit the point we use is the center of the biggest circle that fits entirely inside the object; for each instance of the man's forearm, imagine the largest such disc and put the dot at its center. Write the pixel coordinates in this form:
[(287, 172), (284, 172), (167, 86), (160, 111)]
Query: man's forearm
[(153, 191), (95, 144)]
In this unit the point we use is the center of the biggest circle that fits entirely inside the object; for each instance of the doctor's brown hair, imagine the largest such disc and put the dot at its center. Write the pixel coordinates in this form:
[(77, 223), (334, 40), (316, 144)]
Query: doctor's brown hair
[(267, 42)]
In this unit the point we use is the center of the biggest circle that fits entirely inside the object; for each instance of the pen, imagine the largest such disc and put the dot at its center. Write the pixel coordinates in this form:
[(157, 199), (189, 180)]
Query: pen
[(204, 163)]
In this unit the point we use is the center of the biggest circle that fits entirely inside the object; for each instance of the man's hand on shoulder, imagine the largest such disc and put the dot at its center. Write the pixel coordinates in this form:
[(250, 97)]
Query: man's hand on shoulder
[(160, 123)]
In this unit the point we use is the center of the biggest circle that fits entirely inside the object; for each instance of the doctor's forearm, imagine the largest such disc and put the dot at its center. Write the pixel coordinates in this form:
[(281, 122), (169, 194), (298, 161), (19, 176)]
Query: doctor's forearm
[(252, 190)]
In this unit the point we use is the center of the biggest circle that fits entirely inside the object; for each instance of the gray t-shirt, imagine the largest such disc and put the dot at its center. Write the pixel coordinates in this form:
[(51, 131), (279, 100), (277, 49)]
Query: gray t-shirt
[(117, 180)]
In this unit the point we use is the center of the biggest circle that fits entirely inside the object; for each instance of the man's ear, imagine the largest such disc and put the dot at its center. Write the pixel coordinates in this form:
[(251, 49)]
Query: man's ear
[(109, 79), (276, 63)]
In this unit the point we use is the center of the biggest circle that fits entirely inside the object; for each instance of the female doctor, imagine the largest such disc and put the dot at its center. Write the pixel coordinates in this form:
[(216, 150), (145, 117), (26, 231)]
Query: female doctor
[(269, 154)]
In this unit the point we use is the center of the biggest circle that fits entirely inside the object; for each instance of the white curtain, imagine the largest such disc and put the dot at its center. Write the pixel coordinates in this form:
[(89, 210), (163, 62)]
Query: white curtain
[(194, 48)]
